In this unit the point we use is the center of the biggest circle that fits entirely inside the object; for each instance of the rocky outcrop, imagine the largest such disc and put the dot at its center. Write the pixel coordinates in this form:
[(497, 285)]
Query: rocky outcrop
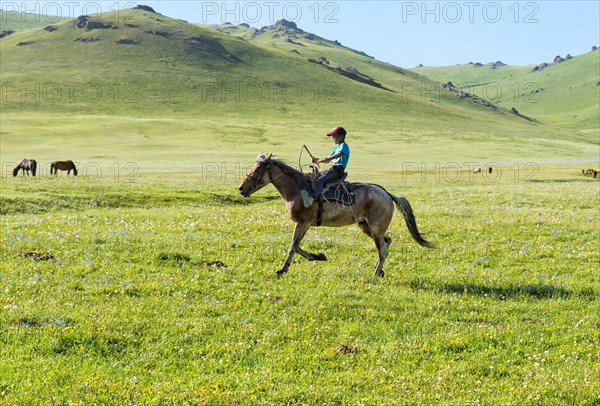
[(516, 113), (91, 39), (145, 8), (158, 32), (127, 41), (449, 86), (87, 23)]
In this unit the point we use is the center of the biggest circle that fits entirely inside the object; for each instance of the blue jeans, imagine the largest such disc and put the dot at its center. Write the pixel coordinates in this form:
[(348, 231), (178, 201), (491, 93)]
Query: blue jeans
[(324, 177)]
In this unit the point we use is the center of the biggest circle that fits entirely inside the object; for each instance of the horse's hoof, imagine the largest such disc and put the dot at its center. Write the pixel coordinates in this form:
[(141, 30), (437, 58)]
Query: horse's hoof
[(380, 274), (319, 257), (281, 272)]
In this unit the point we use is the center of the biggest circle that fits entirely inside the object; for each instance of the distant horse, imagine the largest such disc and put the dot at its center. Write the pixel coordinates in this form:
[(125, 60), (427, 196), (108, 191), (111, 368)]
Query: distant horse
[(373, 209), (477, 170), (26, 165), (63, 166), (590, 171)]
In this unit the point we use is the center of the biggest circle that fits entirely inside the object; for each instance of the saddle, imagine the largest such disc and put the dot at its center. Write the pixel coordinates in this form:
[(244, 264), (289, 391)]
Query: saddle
[(338, 191)]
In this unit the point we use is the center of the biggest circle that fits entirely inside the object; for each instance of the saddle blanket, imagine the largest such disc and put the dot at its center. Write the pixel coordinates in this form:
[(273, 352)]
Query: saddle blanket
[(342, 193)]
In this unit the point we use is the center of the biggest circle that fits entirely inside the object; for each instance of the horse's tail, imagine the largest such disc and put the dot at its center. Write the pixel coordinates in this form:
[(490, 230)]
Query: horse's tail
[(403, 205)]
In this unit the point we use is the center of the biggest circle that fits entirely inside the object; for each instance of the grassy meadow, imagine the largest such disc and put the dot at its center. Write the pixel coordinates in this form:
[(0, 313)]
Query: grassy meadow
[(160, 289), (149, 280)]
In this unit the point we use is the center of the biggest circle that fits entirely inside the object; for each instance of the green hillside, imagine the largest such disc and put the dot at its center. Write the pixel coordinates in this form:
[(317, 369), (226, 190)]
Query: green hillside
[(564, 93), (163, 66), (151, 88), (16, 20)]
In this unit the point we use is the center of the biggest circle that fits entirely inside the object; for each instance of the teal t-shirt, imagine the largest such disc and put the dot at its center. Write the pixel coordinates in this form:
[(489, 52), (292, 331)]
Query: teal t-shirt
[(343, 159)]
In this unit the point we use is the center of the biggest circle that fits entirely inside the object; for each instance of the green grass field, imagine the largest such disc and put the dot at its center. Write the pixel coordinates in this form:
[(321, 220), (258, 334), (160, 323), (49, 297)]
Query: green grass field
[(149, 280), (108, 295)]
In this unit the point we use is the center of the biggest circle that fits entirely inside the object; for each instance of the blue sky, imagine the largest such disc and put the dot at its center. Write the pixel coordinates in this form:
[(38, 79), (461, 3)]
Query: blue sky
[(405, 33)]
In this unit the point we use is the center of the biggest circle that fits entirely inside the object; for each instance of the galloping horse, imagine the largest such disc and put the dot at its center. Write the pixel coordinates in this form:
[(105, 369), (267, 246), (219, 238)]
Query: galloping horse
[(26, 165), (63, 166), (373, 209)]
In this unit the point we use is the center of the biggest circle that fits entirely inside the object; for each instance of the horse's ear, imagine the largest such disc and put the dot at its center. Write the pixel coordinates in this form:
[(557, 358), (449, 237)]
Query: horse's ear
[(268, 156)]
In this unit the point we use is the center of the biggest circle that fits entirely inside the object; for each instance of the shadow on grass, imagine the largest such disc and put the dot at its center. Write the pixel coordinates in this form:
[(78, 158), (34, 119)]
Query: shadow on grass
[(52, 203), (583, 179), (228, 199), (503, 292)]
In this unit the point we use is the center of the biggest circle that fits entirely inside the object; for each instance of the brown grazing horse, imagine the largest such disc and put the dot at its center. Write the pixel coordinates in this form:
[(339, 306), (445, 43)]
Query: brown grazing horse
[(590, 171), (63, 166), (26, 165), (373, 208)]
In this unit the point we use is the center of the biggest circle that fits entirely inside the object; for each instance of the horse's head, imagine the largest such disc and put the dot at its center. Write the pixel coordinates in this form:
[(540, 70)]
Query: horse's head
[(260, 176)]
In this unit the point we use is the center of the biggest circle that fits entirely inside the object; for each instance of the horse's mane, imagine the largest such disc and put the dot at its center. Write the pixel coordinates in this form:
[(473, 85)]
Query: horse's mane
[(301, 178)]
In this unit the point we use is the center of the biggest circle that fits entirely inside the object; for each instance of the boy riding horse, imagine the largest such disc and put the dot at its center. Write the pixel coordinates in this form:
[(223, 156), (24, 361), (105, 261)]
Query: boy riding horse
[(340, 156)]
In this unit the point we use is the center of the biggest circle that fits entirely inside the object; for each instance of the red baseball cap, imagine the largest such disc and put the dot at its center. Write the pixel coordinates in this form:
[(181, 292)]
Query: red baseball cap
[(338, 131)]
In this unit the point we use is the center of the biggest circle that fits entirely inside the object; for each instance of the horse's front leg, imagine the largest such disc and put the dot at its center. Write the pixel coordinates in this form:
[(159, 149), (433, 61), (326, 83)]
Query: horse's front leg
[(299, 233)]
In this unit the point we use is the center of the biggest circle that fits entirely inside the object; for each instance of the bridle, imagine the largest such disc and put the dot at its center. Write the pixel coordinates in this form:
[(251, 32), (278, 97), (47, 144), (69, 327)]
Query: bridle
[(267, 169)]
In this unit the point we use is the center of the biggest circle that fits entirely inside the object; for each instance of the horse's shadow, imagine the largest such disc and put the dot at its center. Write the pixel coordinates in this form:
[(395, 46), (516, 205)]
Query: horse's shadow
[(503, 292)]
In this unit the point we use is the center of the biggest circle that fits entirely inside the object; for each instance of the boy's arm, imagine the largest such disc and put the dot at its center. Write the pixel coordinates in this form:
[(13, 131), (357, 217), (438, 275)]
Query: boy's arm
[(328, 159)]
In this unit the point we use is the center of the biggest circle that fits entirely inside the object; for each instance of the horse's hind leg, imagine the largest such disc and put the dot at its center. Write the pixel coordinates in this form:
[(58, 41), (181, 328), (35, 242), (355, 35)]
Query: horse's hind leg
[(382, 242)]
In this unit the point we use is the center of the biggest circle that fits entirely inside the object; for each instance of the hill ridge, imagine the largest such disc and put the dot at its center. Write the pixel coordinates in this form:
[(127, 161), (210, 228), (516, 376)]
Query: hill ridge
[(155, 65), (564, 92)]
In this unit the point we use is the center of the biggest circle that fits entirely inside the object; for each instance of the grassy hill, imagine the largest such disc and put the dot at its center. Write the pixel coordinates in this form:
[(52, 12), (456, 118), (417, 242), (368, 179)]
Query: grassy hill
[(169, 94), (154, 64), (564, 93), (15, 20)]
